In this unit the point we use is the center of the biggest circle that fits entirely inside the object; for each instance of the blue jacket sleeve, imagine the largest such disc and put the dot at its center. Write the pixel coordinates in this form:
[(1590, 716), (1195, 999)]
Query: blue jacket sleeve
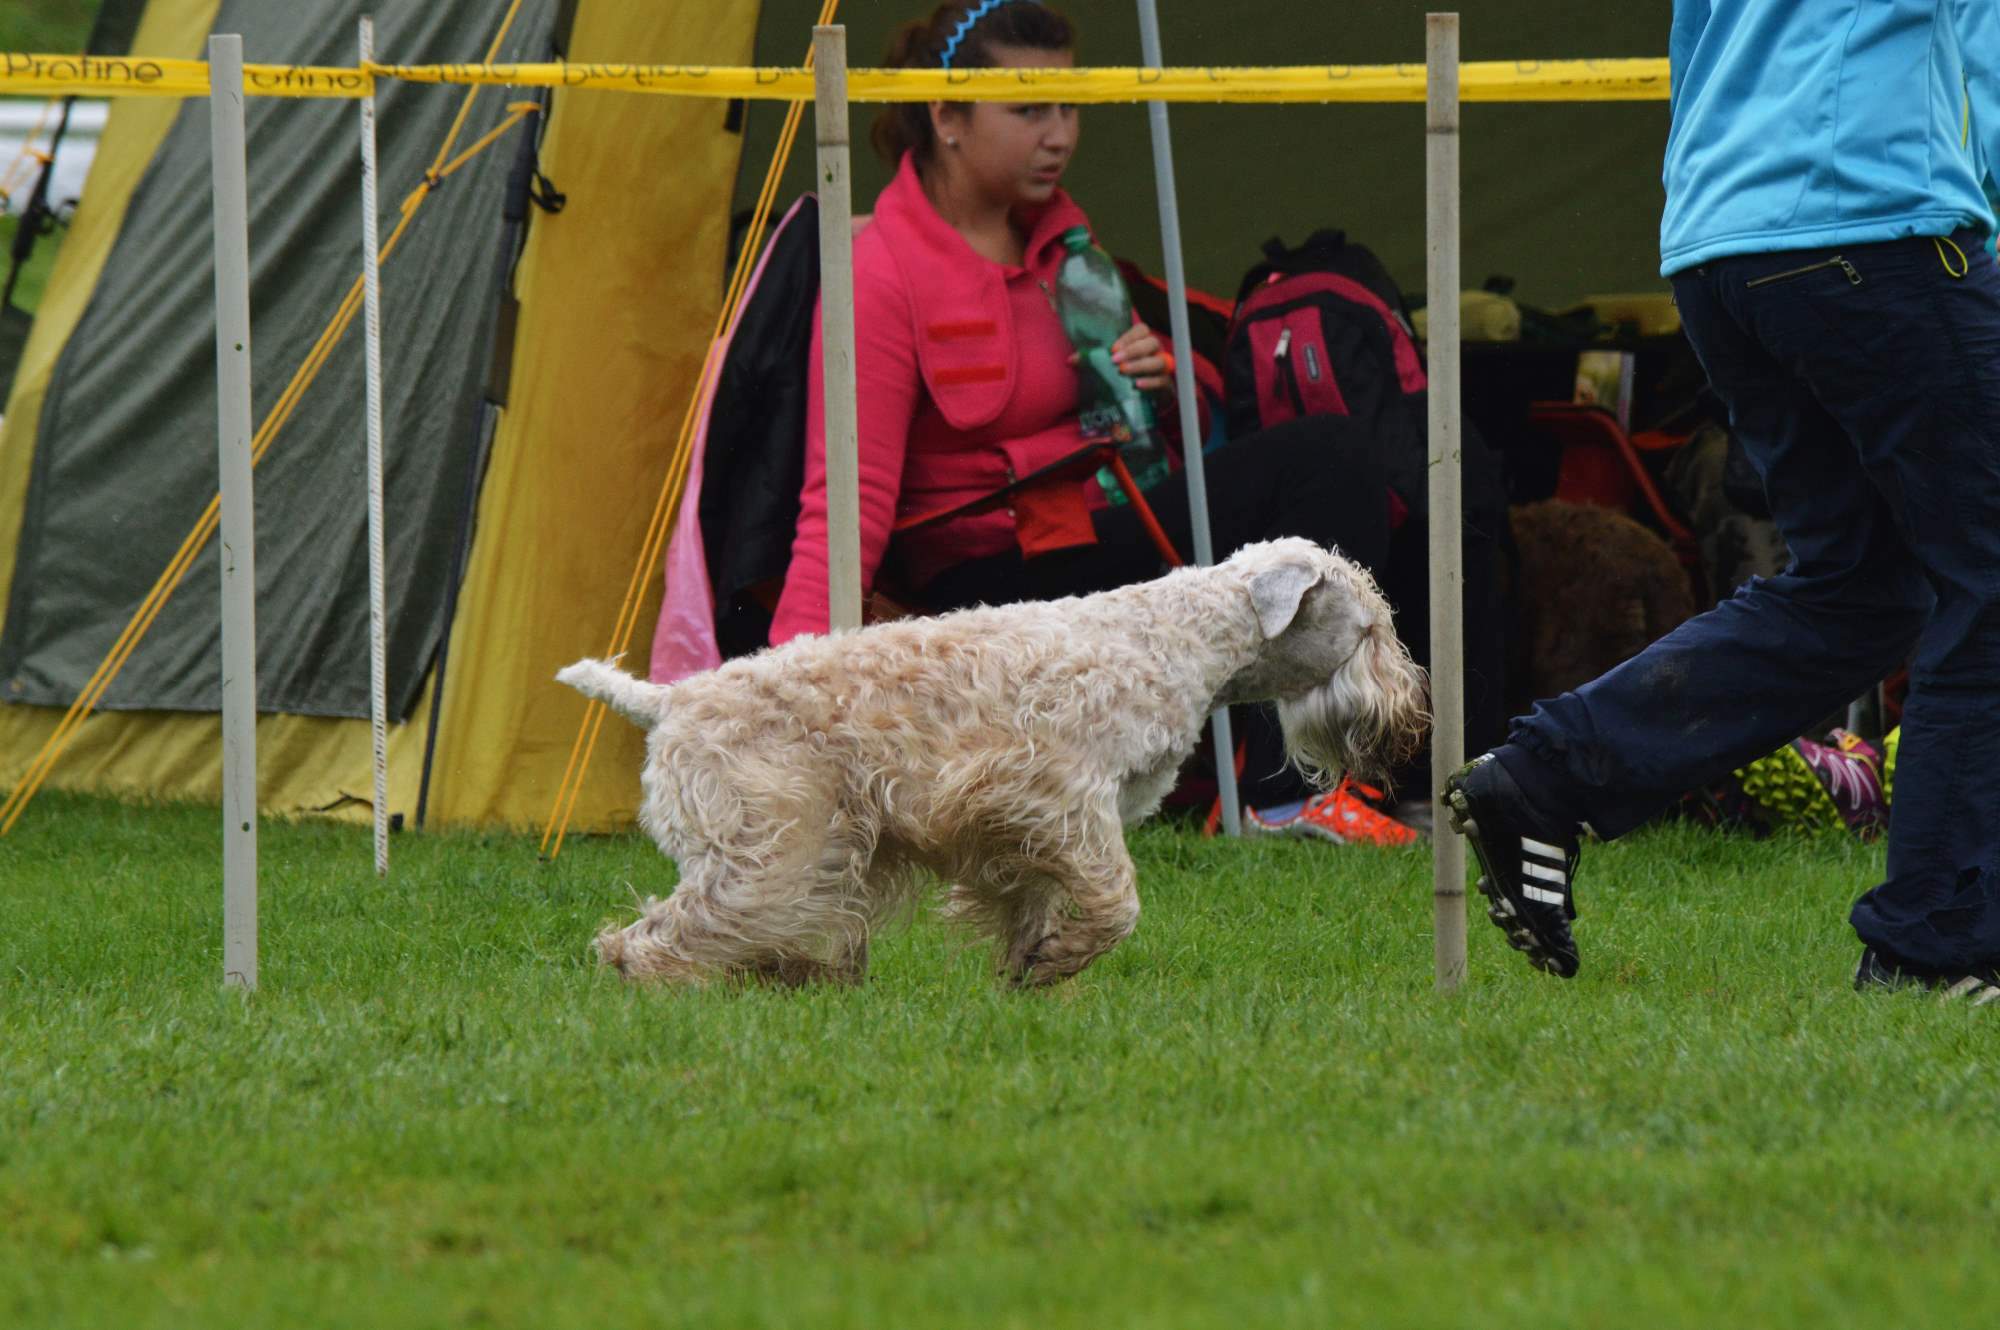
[(1976, 24)]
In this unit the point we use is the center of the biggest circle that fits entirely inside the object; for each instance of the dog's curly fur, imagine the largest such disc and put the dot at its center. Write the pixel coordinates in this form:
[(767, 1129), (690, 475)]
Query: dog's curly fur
[(807, 791), (1594, 588)]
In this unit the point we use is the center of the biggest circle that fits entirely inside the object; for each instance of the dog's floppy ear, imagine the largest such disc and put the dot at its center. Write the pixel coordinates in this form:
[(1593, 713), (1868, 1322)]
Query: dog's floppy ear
[(1277, 592)]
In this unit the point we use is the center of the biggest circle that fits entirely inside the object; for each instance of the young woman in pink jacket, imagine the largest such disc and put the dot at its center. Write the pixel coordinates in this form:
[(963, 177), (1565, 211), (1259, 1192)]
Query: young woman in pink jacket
[(966, 384)]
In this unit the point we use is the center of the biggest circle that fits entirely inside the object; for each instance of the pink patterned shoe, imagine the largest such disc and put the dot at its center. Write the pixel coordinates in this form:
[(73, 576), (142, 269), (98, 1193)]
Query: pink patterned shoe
[(1851, 770)]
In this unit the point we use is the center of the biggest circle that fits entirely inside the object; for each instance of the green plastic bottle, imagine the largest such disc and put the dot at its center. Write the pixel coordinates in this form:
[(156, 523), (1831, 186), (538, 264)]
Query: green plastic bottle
[(1096, 310)]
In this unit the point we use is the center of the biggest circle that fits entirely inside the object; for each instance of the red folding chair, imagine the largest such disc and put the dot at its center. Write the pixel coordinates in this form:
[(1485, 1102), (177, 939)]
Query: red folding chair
[(1601, 464)]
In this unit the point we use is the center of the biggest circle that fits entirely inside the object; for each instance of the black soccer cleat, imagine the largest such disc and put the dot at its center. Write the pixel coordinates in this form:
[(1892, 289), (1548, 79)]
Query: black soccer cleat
[(1526, 869), (1879, 971)]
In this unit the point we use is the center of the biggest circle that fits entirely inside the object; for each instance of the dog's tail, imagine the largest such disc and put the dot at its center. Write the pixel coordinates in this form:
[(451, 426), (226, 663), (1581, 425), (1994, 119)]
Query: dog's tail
[(642, 703)]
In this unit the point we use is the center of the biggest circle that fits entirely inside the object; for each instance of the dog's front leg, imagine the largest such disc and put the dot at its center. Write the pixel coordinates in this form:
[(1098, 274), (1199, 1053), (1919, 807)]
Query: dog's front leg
[(1101, 910), (851, 966)]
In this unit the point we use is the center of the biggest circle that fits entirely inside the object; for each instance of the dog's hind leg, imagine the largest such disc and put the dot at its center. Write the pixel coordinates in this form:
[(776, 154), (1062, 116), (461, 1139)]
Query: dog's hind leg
[(728, 919), (686, 938), (811, 919), (793, 970)]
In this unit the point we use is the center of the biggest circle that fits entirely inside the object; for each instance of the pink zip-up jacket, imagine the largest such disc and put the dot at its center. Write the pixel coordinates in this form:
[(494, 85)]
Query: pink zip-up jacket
[(963, 385)]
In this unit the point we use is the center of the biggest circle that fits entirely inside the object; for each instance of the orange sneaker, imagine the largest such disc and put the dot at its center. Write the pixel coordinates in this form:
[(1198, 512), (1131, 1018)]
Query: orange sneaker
[(1347, 815)]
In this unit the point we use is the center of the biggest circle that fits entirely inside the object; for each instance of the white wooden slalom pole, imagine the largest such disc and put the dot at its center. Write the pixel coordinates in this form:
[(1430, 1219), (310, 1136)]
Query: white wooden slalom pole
[(231, 194), (1184, 385), (378, 612), (1447, 569), (836, 288)]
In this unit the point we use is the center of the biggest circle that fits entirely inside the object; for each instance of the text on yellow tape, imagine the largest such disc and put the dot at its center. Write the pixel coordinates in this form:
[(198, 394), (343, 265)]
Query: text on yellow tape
[(1480, 81), (1484, 81), (131, 76)]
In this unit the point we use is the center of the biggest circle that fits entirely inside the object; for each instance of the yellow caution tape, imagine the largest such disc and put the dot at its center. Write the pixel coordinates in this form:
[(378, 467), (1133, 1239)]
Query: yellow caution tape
[(1480, 81), (134, 76), (1485, 81)]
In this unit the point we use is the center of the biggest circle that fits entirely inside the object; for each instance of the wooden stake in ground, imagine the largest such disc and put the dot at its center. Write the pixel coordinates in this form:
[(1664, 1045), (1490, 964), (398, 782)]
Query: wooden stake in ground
[(1446, 551)]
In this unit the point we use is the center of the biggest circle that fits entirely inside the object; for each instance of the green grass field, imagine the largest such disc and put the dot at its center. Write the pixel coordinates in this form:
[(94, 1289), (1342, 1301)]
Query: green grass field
[(46, 26), (1255, 1113), (35, 273)]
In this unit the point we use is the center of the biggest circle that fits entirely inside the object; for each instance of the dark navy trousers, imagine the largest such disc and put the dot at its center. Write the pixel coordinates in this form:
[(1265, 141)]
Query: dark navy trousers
[(1864, 383)]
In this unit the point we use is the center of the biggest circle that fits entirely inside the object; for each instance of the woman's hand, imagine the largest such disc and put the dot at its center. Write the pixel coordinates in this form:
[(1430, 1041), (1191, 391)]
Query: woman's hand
[(1138, 353)]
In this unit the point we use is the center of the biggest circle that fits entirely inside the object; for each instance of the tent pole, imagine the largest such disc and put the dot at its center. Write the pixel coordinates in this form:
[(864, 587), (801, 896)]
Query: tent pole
[(1197, 474), (239, 563), (371, 285), (1447, 567), (836, 284)]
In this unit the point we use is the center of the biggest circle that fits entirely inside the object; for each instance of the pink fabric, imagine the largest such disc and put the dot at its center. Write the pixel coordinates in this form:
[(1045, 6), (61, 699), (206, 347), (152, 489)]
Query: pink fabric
[(684, 639), (964, 382)]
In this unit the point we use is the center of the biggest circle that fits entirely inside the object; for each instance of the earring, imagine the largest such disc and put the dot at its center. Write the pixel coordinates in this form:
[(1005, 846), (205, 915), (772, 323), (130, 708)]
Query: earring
[(951, 143)]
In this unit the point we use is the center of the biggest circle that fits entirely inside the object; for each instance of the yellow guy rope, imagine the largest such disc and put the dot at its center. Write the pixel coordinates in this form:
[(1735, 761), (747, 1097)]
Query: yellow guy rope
[(28, 155), (149, 609), (677, 469)]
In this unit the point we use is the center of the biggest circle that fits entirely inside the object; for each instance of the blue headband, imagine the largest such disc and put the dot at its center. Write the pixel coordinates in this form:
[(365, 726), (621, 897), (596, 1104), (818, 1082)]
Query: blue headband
[(965, 25)]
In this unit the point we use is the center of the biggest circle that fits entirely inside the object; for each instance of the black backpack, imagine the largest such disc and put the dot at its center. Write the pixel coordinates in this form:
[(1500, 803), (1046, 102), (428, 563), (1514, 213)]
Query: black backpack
[(1322, 330), (754, 461)]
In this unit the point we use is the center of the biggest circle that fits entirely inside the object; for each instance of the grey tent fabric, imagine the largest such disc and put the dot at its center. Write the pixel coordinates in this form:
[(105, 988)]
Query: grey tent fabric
[(117, 21), (126, 456)]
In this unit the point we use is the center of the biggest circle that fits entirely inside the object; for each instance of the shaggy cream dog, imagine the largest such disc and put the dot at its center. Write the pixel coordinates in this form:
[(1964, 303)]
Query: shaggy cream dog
[(808, 790)]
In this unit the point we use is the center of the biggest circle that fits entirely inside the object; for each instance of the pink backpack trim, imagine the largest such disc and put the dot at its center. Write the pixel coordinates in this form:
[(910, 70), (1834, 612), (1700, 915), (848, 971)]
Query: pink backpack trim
[(1286, 288)]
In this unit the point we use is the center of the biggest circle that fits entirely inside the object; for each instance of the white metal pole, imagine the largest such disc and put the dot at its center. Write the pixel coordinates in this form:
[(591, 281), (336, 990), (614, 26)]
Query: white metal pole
[(231, 199), (1197, 474), (836, 289), (1446, 531), (378, 614)]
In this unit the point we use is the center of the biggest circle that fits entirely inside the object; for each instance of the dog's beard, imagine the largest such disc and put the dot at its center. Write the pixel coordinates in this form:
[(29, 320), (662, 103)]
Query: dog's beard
[(1367, 719)]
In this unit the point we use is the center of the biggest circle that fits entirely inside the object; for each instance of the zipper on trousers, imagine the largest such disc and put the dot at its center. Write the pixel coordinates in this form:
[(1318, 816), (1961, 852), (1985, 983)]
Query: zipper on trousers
[(1853, 275)]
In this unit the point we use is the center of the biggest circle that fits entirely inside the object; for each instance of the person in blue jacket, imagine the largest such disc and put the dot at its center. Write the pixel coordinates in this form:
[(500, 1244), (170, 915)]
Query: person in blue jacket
[(1986, 160), (1826, 236)]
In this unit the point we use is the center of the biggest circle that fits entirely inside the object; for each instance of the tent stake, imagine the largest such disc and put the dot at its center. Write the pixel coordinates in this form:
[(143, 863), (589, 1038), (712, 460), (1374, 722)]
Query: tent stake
[(239, 564), (836, 286), (371, 286), (1197, 473), (1447, 569)]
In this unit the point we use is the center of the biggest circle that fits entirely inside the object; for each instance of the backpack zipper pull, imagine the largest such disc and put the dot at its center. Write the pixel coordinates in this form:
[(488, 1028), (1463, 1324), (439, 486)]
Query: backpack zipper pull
[(1287, 375)]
